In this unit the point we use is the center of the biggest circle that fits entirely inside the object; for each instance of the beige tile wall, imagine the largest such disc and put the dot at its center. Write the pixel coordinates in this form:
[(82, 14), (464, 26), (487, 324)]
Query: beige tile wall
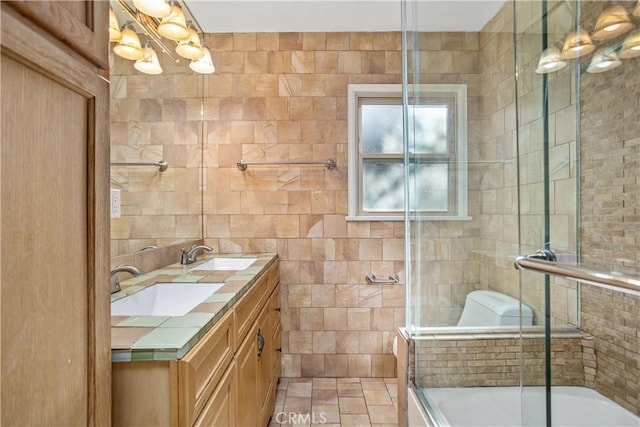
[(283, 97), (498, 240), (610, 229), (610, 152), (613, 318), (479, 254), (447, 268), (516, 184), (154, 118)]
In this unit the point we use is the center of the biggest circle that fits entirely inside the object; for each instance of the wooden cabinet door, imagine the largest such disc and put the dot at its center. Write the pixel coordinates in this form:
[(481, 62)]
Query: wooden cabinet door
[(220, 410), (201, 368), (248, 407), (56, 350), (81, 24), (264, 364)]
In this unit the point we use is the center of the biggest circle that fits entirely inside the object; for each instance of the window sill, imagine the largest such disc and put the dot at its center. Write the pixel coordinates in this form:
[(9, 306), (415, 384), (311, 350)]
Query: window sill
[(414, 218)]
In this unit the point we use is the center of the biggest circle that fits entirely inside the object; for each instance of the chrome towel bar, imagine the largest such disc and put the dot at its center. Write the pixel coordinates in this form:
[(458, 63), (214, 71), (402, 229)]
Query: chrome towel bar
[(373, 280), (329, 164), (582, 274), (161, 165)]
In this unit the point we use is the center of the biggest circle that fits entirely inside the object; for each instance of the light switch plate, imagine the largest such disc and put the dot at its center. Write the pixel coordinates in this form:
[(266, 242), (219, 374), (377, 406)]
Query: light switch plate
[(115, 203)]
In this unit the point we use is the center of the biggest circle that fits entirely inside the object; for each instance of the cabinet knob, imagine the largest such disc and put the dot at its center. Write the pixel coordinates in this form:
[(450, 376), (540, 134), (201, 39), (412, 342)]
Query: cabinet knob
[(277, 309), (279, 349)]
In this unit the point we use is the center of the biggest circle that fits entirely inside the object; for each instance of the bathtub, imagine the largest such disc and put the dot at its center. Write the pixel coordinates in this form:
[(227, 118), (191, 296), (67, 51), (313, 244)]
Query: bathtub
[(500, 406)]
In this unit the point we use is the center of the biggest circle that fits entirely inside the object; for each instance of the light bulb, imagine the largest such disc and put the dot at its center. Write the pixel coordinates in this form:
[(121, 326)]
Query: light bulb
[(630, 46), (577, 44), (550, 61), (190, 48), (155, 8), (150, 63), (603, 60), (612, 22), (129, 46), (204, 65), (174, 26)]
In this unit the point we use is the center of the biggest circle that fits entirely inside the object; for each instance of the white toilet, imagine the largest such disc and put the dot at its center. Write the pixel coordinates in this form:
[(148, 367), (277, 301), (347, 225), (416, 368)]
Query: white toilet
[(489, 308)]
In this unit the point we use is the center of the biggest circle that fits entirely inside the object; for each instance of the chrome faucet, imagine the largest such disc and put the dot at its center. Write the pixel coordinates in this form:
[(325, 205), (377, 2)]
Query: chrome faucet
[(189, 256), (115, 281)]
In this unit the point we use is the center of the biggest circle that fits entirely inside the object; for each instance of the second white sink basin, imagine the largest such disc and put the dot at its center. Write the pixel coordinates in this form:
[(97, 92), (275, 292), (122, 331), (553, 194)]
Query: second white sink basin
[(225, 264), (164, 299)]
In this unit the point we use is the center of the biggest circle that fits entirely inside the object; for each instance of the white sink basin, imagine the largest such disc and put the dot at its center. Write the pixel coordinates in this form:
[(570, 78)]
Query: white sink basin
[(164, 299), (225, 264)]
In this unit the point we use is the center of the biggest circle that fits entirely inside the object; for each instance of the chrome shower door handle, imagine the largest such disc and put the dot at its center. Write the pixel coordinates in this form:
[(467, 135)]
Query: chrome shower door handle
[(540, 254)]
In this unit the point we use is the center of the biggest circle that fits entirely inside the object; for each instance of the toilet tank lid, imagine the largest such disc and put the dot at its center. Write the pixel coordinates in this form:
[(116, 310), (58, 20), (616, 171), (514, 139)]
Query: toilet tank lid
[(501, 304)]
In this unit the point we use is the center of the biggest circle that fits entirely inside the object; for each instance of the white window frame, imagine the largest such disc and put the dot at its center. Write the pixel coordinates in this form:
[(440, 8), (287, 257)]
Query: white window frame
[(357, 91)]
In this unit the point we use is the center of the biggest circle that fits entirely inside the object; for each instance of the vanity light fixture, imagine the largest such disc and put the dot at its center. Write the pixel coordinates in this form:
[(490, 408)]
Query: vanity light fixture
[(191, 47), (630, 46), (604, 59), (150, 63), (114, 28), (163, 32), (550, 61), (155, 8), (577, 44), (174, 26), (129, 46), (204, 65), (612, 22)]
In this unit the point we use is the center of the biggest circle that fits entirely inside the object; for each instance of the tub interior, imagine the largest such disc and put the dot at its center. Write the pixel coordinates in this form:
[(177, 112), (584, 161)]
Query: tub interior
[(501, 406)]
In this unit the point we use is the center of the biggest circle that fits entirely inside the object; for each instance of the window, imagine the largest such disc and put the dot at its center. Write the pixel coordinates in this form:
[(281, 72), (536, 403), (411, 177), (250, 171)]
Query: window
[(438, 152)]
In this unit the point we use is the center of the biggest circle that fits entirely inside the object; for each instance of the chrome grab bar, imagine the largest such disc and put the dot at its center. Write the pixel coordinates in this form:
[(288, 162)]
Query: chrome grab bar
[(537, 262), (373, 280), (329, 164), (161, 164)]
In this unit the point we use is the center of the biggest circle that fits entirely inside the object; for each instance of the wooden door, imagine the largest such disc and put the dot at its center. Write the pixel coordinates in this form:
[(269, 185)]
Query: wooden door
[(55, 317)]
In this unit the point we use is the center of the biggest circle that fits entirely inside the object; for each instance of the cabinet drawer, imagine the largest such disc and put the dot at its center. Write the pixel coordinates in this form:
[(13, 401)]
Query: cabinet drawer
[(220, 409), (200, 370), (248, 308), (252, 302)]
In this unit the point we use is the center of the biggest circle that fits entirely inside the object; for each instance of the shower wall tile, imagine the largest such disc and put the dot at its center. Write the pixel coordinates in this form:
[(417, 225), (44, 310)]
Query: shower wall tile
[(609, 230), (495, 360), (283, 97), (614, 320)]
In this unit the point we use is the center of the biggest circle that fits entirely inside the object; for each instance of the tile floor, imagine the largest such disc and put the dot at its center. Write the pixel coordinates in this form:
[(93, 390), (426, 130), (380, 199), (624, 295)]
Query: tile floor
[(330, 402)]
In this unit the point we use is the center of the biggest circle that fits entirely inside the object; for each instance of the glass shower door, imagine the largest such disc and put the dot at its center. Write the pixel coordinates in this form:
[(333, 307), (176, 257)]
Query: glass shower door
[(519, 163), (467, 260), (547, 144)]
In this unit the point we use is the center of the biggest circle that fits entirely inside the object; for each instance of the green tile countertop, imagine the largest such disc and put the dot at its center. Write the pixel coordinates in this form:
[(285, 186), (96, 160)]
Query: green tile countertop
[(138, 338)]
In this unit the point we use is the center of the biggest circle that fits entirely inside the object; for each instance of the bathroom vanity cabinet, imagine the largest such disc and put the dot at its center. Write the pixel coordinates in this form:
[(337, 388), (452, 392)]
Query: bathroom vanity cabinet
[(229, 378)]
